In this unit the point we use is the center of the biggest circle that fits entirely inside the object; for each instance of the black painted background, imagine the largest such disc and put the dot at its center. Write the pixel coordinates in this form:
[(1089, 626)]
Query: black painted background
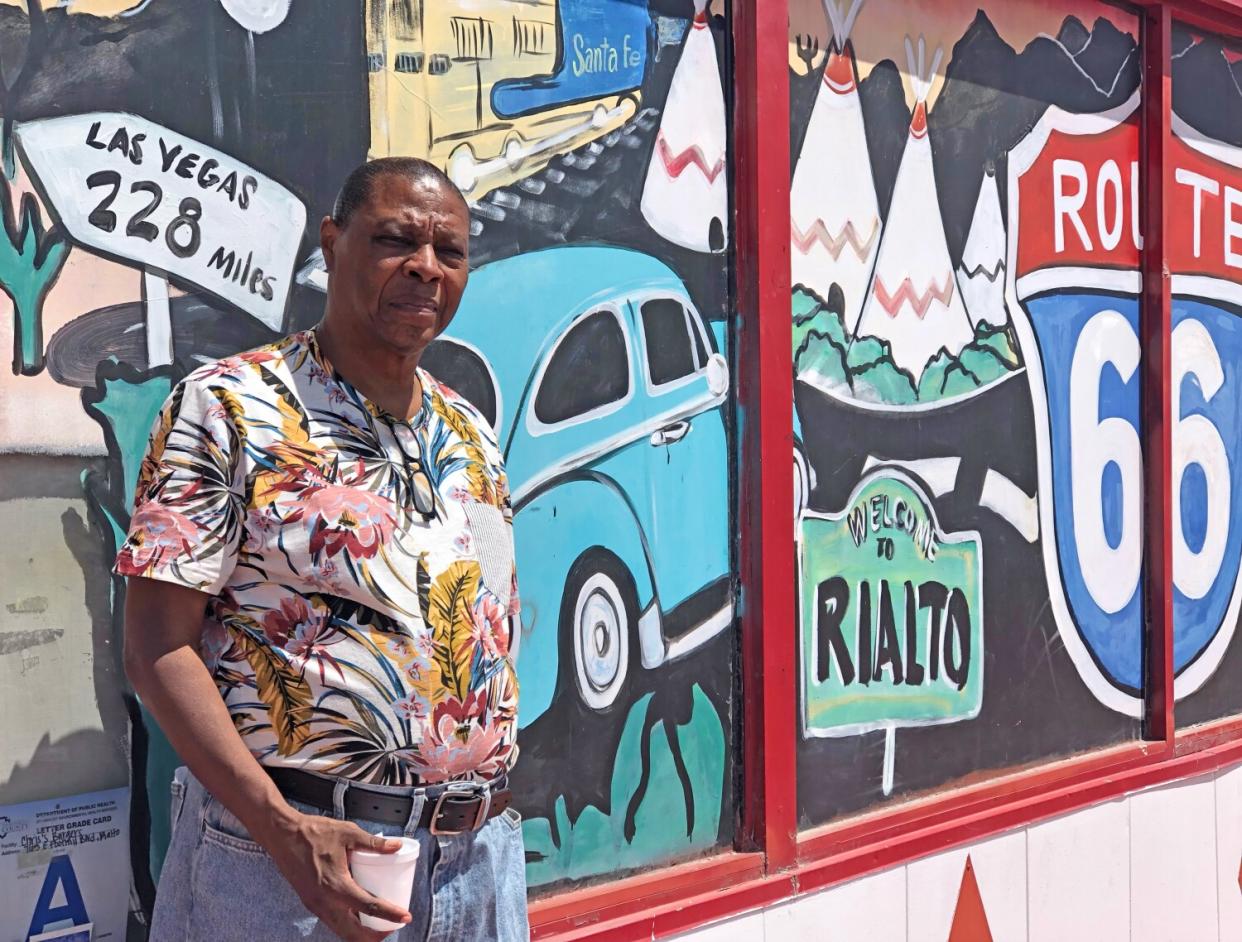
[(1035, 706), (306, 126)]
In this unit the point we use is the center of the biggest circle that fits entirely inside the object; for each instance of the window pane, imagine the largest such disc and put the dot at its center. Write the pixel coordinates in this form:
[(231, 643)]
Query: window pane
[(1207, 374), (700, 348), (669, 354), (589, 369), (968, 458), (409, 62), (463, 371)]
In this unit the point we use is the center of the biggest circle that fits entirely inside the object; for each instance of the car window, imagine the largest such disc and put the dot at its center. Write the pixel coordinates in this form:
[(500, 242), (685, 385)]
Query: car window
[(464, 372), (700, 345), (589, 369), (670, 351)]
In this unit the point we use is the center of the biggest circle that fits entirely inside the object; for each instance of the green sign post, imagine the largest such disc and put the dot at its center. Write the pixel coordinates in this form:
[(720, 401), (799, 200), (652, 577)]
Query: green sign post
[(891, 613)]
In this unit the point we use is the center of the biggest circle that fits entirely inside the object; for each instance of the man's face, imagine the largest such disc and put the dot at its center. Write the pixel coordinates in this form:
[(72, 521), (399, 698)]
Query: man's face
[(399, 266)]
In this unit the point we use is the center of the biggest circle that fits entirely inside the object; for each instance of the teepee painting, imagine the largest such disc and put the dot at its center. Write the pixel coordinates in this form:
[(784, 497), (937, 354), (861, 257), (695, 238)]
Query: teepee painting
[(927, 387), (981, 275), (685, 196), (834, 214), (914, 304), (885, 315)]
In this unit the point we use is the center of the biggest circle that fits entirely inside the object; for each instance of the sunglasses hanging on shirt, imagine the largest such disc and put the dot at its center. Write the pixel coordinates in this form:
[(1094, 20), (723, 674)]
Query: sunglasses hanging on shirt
[(421, 487)]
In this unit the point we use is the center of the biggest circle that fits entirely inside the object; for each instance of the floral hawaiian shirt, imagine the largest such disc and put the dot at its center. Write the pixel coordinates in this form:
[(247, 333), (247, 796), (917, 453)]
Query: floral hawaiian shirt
[(353, 629)]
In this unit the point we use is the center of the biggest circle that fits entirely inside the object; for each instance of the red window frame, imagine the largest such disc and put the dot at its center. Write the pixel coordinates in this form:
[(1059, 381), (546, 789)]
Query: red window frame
[(771, 860)]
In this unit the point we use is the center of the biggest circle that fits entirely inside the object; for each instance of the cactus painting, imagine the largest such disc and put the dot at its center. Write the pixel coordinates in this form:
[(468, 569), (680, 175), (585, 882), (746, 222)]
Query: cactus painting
[(31, 257)]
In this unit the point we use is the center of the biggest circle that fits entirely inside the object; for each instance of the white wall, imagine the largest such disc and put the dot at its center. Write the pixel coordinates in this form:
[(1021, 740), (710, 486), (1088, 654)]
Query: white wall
[(1158, 866)]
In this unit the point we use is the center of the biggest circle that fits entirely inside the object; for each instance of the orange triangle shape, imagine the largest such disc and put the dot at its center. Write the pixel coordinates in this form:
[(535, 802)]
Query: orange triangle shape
[(970, 921)]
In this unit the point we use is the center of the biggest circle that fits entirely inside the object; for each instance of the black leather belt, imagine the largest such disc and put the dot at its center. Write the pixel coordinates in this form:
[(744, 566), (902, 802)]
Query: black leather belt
[(452, 808)]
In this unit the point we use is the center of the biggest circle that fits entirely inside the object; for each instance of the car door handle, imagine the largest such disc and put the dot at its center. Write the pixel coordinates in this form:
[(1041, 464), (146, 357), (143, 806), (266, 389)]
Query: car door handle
[(670, 433)]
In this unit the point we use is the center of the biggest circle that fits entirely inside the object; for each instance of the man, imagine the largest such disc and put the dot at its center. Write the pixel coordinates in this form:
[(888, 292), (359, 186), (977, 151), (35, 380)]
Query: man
[(321, 584)]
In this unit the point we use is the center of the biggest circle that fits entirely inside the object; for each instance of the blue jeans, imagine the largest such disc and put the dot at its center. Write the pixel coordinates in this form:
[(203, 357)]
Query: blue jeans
[(218, 885)]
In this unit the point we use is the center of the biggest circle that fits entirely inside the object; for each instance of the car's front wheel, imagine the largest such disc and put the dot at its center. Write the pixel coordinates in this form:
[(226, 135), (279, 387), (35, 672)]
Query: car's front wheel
[(599, 621)]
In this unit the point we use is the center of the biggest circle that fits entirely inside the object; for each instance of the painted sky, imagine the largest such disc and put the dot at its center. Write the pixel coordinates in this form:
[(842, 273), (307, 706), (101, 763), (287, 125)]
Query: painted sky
[(882, 26)]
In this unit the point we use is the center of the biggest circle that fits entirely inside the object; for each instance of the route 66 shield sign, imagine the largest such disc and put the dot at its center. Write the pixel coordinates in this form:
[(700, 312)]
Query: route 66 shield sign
[(1073, 287)]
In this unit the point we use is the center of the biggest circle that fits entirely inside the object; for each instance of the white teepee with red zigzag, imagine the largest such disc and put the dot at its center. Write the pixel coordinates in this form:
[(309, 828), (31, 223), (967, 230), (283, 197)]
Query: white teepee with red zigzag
[(686, 194), (981, 275), (833, 211), (914, 302)]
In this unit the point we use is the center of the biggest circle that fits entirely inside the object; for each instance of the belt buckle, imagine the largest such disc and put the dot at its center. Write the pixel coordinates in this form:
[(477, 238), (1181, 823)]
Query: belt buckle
[(453, 793)]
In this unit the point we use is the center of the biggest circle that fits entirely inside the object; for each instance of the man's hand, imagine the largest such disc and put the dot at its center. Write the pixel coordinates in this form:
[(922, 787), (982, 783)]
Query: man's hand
[(313, 854), (163, 624)]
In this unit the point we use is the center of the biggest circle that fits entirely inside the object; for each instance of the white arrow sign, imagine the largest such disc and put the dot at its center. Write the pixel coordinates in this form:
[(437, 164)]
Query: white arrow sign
[(139, 192)]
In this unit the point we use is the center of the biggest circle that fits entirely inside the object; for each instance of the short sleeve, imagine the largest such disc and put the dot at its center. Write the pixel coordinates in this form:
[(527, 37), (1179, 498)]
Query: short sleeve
[(188, 505)]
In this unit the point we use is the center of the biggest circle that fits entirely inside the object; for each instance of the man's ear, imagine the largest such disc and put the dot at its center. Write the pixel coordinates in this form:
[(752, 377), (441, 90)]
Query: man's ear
[(329, 231)]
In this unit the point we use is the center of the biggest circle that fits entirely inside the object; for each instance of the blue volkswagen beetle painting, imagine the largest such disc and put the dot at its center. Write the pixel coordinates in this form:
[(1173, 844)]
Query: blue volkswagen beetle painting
[(606, 391)]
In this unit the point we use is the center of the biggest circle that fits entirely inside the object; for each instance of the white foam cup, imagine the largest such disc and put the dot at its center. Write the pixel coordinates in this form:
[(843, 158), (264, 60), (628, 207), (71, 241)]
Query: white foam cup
[(388, 876)]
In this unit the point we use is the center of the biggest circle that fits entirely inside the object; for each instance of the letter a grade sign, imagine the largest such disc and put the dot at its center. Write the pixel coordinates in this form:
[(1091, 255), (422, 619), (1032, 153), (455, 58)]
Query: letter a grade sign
[(64, 868)]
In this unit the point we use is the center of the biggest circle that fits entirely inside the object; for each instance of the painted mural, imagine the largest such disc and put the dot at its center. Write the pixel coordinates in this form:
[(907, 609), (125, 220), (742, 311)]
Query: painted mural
[(1207, 271), (931, 646), (166, 165), (966, 353)]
